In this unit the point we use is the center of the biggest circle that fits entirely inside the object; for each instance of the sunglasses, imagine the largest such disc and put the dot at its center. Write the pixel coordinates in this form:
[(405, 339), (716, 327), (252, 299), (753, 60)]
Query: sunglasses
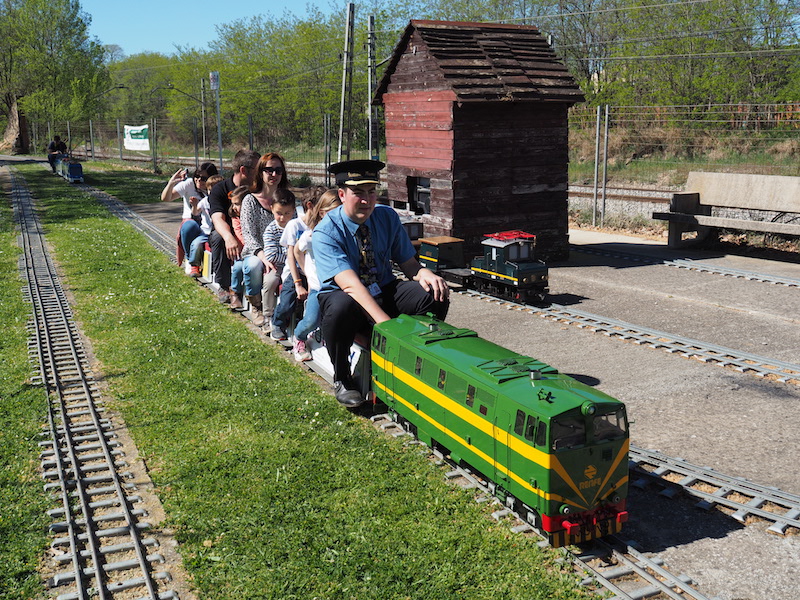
[(201, 177), (276, 170)]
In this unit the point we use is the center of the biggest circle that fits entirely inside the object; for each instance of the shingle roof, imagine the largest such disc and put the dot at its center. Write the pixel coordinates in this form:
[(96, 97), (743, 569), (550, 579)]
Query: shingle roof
[(489, 61)]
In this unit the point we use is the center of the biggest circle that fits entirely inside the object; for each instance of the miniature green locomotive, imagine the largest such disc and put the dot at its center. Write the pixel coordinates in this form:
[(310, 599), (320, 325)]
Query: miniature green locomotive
[(507, 269), (553, 449)]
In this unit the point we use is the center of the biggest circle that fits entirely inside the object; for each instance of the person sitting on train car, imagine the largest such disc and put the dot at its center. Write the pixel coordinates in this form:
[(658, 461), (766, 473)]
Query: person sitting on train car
[(192, 189), (293, 288), (303, 251), (237, 268), (274, 253), (55, 148), (256, 217), (354, 246), (225, 247)]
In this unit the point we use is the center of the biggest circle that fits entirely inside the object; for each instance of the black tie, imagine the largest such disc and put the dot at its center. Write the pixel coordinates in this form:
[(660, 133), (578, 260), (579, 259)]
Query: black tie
[(368, 271)]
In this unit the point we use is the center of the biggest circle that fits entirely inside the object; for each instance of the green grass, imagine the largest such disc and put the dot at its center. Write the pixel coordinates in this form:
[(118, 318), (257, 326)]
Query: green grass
[(274, 491), (23, 520)]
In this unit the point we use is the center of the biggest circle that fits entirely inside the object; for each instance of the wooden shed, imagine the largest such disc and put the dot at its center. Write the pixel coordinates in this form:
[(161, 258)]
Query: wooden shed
[(476, 131)]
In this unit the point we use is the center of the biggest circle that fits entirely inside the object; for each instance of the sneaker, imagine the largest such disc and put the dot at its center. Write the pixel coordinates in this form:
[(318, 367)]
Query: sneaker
[(194, 271), (236, 302), (301, 353), (278, 334), (224, 296), (347, 397)]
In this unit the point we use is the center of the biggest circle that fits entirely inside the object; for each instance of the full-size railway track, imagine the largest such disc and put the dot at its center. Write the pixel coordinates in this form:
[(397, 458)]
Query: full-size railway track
[(101, 550)]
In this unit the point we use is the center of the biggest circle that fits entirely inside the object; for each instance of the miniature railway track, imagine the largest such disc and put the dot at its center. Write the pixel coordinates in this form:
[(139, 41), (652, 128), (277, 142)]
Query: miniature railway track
[(742, 498), (688, 348), (611, 565), (102, 552), (693, 265)]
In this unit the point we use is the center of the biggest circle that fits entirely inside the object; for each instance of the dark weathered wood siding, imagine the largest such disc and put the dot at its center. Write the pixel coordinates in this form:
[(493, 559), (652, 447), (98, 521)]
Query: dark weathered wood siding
[(481, 111)]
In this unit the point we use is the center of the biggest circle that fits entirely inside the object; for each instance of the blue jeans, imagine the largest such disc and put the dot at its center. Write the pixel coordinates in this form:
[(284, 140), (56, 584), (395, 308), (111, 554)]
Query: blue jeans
[(237, 277), (253, 275), (310, 320), (190, 234), (282, 317)]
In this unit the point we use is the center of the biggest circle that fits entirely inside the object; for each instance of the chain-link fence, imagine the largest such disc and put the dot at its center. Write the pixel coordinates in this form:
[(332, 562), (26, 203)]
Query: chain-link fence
[(661, 144), (631, 145), (171, 145)]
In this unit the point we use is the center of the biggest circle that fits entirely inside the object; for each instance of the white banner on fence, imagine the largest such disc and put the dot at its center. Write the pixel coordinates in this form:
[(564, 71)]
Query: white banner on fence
[(137, 137)]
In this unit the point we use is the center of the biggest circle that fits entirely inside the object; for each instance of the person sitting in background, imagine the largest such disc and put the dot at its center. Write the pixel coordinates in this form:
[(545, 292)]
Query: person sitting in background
[(303, 251), (225, 247), (283, 210), (192, 189), (294, 285), (354, 247), (256, 217), (55, 149), (237, 268)]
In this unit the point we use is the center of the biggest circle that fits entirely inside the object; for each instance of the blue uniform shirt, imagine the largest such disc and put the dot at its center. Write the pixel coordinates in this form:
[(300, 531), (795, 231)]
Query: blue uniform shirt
[(336, 247)]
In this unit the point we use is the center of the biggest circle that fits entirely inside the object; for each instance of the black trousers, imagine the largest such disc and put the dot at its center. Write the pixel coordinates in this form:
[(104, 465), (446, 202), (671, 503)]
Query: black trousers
[(220, 265), (342, 317)]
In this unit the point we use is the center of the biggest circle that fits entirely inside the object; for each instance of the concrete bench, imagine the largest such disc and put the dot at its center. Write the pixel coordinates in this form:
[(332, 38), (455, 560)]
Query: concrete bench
[(764, 203)]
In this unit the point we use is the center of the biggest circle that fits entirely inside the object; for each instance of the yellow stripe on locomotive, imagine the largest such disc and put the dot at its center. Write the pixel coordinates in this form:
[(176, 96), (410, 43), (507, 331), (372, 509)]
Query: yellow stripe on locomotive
[(555, 449)]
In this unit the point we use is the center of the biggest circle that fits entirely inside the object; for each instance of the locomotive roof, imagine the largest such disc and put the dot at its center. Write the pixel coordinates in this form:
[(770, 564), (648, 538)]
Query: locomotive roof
[(527, 381), (506, 238)]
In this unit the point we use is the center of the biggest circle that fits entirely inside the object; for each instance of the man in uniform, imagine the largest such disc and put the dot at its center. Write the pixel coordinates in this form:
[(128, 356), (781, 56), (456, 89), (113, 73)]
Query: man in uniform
[(354, 247)]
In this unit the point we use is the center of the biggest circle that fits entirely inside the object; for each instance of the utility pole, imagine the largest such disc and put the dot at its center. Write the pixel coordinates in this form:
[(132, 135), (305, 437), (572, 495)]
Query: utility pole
[(214, 79), (345, 131), (374, 151)]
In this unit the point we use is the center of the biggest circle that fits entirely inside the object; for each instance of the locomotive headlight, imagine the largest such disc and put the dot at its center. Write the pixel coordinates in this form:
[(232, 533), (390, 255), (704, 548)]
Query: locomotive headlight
[(565, 510), (615, 499), (588, 409)]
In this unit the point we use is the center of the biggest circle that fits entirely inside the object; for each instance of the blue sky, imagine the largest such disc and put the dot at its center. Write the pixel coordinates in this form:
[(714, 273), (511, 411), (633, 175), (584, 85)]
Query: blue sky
[(158, 26)]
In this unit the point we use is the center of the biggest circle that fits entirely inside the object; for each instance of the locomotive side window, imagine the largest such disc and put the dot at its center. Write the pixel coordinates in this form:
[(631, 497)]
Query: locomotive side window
[(530, 428), (376, 340), (470, 395), (519, 424), (609, 426), (383, 345), (541, 434), (568, 432), (442, 379), (418, 366)]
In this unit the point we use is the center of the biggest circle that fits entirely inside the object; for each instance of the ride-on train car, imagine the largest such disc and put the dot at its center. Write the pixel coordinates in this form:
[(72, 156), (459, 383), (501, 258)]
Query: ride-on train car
[(553, 449), (507, 269)]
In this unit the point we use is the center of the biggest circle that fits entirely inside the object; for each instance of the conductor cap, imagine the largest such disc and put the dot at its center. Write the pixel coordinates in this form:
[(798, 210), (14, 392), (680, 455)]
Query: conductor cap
[(356, 172)]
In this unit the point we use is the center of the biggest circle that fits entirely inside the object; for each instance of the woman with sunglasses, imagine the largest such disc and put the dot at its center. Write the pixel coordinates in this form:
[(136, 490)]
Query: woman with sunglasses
[(256, 216), (192, 190)]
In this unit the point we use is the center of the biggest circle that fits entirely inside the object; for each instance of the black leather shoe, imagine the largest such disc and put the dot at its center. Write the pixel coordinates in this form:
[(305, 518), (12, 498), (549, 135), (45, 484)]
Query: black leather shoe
[(347, 397)]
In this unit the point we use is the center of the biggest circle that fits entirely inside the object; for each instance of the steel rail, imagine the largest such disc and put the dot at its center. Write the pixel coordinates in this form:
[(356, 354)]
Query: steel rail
[(726, 485), (743, 362), (692, 265), (641, 566), (73, 418)]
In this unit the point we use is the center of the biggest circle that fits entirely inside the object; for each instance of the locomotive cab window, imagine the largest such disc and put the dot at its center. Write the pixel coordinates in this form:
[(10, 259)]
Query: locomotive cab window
[(418, 366), (470, 395), (530, 428), (609, 426), (541, 434), (568, 432), (442, 379), (519, 423)]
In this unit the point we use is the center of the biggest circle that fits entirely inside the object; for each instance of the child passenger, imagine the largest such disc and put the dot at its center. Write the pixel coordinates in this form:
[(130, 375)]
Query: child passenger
[(293, 279), (283, 211), (237, 267), (304, 253)]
